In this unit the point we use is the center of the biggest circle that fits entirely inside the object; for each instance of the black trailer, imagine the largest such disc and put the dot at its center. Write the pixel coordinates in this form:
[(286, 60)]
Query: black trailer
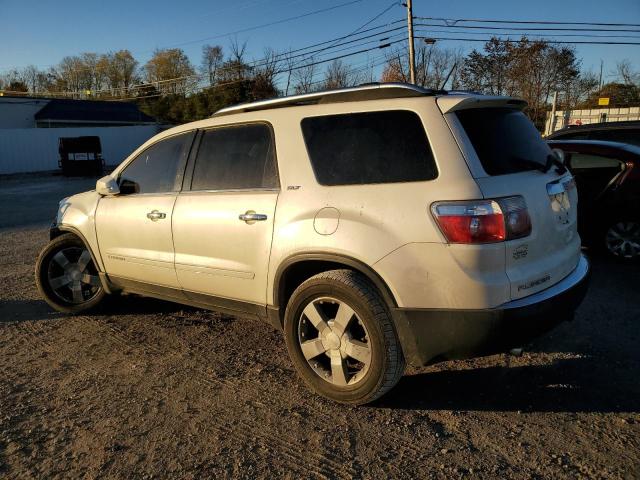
[(80, 156)]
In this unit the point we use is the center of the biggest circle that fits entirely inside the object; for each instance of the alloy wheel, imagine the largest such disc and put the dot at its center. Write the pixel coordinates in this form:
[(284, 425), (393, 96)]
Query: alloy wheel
[(623, 239), (72, 275), (334, 341)]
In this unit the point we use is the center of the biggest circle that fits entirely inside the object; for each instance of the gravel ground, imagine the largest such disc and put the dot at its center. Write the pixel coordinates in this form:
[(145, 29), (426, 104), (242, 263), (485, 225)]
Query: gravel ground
[(147, 389)]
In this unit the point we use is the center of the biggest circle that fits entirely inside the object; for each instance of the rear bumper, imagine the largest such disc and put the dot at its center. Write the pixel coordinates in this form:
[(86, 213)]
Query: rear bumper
[(431, 335)]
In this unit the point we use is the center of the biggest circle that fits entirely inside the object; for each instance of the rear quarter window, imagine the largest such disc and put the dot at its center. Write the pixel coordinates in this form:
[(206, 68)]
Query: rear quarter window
[(504, 139), (368, 148)]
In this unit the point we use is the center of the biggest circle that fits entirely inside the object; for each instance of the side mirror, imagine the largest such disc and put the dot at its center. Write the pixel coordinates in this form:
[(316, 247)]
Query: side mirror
[(107, 186), (559, 154)]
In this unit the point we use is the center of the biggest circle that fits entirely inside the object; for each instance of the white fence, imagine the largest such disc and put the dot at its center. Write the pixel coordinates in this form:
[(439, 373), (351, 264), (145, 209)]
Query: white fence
[(36, 149), (564, 118)]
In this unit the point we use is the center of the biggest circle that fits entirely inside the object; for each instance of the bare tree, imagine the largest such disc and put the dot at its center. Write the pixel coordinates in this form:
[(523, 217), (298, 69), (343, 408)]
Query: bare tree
[(289, 64), (235, 68), (337, 75), (264, 76), (433, 65), (72, 77), (30, 76), (626, 73), (577, 90), (212, 58), (303, 77)]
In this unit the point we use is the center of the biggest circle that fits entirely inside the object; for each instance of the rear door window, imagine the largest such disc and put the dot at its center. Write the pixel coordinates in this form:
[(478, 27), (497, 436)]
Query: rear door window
[(236, 158), (504, 139), (370, 147)]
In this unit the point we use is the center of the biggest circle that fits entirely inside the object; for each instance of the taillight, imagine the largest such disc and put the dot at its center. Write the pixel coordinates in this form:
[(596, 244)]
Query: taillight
[(483, 221)]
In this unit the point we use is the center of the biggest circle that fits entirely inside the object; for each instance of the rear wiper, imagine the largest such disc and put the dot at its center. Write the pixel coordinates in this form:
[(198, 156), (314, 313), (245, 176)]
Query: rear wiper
[(543, 167), (552, 160)]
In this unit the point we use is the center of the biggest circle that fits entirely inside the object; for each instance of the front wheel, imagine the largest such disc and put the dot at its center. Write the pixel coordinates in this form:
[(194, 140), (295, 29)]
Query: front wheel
[(341, 338), (66, 276)]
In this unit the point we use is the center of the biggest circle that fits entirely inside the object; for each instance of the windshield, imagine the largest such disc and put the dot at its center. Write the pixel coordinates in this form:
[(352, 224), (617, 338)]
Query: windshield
[(504, 139)]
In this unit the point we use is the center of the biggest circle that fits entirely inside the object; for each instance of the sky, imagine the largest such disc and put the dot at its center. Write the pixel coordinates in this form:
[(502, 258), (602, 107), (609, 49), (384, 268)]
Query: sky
[(41, 32)]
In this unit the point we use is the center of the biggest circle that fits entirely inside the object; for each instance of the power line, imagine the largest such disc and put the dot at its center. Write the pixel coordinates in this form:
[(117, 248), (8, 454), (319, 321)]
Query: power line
[(260, 62), (368, 22), (194, 77), (572, 29), (536, 34), (269, 24), (255, 27), (231, 68), (529, 22), (385, 45), (561, 42)]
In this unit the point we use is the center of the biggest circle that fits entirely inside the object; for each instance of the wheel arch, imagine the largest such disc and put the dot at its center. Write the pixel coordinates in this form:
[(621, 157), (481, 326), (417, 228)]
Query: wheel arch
[(299, 267), (58, 230)]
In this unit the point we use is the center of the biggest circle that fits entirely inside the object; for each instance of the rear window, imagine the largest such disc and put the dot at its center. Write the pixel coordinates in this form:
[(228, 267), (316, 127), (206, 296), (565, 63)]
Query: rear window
[(504, 139), (371, 147)]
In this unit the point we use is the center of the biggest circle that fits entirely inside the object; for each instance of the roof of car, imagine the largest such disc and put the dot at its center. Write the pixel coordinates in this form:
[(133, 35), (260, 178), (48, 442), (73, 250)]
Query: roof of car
[(370, 91), (597, 144), (448, 100), (597, 126)]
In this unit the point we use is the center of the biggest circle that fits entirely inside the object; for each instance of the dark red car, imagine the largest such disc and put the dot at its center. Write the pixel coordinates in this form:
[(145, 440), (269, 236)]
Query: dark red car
[(608, 178)]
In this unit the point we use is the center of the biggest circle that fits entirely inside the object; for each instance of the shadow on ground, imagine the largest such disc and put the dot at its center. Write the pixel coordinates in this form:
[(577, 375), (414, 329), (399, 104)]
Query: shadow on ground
[(35, 310), (580, 384)]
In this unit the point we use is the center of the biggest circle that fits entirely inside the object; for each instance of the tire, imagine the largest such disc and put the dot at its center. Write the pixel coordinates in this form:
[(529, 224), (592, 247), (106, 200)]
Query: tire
[(621, 239), (359, 325), (66, 276)]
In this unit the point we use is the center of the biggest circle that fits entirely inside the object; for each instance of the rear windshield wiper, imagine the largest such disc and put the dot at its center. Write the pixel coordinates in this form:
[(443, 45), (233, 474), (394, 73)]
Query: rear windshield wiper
[(552, 161), (543, 167)]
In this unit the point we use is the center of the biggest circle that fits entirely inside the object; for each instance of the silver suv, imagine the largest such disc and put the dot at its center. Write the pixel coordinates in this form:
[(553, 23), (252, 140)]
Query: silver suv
[(373, 225)]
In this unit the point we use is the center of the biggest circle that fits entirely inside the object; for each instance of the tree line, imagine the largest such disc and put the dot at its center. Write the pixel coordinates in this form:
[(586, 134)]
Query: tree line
[(171, 88)]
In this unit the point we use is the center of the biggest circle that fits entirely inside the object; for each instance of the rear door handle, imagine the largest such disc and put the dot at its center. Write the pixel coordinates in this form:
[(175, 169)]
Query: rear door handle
[(155, 215), (252, 217)]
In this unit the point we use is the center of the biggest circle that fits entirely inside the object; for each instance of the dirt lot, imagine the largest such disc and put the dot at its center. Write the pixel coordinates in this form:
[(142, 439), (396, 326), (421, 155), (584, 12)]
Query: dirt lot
[(151, 389)]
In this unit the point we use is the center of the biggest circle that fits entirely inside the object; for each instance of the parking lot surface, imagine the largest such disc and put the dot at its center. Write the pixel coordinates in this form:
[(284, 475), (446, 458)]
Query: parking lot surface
[(144, 388)]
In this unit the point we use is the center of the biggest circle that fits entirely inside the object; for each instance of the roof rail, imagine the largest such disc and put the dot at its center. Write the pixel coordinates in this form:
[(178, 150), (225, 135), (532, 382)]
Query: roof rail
[(368, 91)]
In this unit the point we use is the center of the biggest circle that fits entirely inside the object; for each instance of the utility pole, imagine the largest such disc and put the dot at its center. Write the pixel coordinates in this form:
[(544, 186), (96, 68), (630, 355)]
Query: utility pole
[(552, 120), (412, 53), (600, 81)]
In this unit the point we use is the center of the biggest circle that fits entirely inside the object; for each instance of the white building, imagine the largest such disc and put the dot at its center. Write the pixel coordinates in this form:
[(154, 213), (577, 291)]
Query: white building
[(565, 118), (30, 129)]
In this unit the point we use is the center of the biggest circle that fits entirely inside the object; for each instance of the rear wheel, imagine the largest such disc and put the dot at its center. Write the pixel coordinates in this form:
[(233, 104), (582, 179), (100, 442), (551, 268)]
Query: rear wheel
[(341, 338), (622, 239), (67, 277)]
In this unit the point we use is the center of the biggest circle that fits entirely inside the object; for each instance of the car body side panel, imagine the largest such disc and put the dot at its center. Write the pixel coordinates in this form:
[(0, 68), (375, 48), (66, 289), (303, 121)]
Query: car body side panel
[(442, 276), (371, 221), (132, 245), (78, 213), (216, 253)]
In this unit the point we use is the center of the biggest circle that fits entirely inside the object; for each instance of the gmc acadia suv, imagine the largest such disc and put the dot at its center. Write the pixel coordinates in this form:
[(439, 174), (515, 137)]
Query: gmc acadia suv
[(373, 225)]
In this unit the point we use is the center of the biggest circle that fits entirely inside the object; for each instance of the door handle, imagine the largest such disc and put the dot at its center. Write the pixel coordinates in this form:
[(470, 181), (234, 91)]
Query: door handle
[(155, 215), (251, 217)]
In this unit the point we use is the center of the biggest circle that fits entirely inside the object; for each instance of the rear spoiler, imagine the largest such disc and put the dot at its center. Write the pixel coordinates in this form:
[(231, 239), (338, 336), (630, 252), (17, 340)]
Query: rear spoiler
[(452, 103)]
